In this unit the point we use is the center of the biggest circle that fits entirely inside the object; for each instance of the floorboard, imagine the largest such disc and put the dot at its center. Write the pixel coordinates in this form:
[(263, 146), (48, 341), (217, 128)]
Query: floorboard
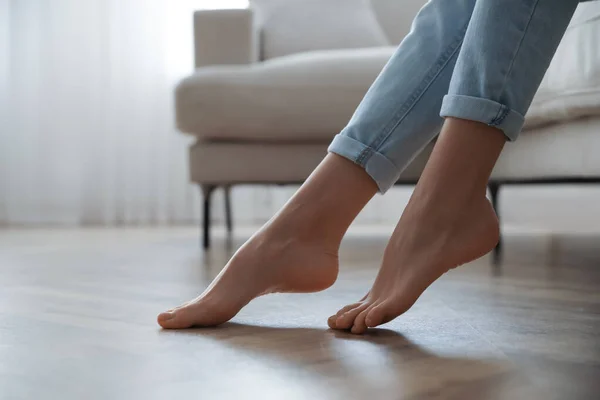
[(78, 308)]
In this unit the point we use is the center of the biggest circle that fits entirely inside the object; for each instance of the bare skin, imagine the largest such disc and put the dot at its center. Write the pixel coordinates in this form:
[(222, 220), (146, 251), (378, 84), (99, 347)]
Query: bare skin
[(416, 257), (448, 222), (297, 251)]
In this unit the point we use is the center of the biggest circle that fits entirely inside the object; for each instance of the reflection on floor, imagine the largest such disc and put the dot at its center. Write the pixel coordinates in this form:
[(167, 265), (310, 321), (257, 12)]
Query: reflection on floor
[(77, 312)]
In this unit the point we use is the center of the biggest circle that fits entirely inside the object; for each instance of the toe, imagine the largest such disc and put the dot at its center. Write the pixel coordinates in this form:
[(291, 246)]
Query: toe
[(164, 318), (376, 315), (359, 327), (346, 320), (178, 318), (179, 307), (348, 308), (331, 321)]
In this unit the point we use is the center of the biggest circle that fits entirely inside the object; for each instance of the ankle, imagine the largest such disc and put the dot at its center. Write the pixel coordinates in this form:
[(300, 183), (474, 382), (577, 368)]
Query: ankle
[(439, 216), (324, 207), (304, 232)]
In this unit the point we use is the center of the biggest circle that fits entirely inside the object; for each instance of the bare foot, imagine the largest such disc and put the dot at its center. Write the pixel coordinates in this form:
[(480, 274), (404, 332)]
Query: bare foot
[(297, 251), (267, 263), (426, 244)]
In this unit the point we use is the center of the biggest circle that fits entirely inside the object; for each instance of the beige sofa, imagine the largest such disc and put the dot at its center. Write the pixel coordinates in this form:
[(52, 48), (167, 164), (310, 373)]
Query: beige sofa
[(270, 121)]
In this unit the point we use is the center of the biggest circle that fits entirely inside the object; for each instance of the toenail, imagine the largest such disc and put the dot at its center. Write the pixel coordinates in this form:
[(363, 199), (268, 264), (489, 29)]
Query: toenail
[(168, 315)]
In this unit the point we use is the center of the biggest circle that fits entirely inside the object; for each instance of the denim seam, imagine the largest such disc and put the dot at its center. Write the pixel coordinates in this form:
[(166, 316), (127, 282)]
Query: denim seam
[(512, 61), (502, 113), (365, 154), (416, 95), (366, 149)]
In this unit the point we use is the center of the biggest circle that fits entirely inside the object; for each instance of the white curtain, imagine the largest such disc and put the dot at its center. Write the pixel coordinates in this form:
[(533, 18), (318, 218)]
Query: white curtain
[(87, 133)]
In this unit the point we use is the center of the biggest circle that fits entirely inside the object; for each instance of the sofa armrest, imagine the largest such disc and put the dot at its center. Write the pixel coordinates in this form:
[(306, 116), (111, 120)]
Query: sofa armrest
[(225, 37)]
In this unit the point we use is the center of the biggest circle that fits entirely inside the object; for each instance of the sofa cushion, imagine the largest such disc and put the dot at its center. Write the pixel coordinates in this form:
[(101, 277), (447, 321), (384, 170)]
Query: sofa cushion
[(224, 162), (311, 96), (295, 26), (566, 150), (308, 96), (571, 86)]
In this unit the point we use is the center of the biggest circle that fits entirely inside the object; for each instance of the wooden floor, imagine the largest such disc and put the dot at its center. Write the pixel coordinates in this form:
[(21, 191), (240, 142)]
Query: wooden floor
[(77, 321)]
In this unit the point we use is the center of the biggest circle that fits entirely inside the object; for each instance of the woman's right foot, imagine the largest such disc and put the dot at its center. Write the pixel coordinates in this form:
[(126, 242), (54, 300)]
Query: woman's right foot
[(448, 222), (427, 243), (267, 263)]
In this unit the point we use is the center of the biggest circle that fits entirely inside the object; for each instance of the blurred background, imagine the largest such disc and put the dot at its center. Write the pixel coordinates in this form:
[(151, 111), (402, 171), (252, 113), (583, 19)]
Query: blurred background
[(88, 136), (116, 116)]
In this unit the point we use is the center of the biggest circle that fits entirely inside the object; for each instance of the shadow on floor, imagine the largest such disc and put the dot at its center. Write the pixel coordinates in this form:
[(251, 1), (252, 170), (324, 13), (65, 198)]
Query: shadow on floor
[(380, 364)]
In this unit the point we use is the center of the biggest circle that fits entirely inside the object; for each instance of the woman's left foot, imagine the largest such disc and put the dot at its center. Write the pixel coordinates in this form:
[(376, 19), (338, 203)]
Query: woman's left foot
[(268, 263), (296, 252), (428, 242)]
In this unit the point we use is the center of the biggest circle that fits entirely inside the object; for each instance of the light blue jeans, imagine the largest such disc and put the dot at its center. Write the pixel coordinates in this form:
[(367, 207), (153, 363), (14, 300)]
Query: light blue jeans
[(480, 60)]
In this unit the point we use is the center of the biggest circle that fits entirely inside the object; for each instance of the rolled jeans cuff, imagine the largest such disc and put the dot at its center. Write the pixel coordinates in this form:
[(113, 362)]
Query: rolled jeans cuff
[(485, 111), (378, 166)]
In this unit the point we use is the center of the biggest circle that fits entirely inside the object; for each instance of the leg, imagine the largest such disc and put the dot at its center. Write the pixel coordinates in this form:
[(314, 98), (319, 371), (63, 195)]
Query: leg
[(399, 115), (507, 48), (296, 251), (228, 217), (497, 252), (207, 191), (447, 222)]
